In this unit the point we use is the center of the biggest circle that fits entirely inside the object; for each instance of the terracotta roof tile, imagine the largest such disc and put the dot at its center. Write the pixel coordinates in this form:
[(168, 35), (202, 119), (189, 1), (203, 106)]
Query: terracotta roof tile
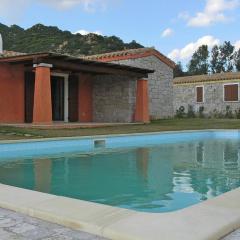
[(131, 53), (11, 54), (207, 78)]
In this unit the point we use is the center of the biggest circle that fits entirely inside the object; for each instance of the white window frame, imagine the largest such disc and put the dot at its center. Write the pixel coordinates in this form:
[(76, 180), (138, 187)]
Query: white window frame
[(227, 84), (203, 100), (65, 76)]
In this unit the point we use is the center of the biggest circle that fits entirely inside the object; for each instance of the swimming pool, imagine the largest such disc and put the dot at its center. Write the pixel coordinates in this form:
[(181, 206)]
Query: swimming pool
[(150, 172)]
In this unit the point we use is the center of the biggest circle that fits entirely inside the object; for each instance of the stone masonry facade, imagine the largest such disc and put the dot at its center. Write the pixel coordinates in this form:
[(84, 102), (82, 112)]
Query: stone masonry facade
[(160, 85), (114, 98), (185, 95)]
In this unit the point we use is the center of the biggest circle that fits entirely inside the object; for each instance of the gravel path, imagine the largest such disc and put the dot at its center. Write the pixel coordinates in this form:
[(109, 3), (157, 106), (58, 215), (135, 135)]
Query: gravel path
[(16, 226)]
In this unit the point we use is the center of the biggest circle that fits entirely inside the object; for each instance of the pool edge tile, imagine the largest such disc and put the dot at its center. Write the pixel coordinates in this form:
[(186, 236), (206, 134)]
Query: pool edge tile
[(209, 220)]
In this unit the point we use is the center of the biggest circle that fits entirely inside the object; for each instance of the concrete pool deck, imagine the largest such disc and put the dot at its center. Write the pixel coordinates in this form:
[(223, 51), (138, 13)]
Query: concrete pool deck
[(212, 219), (17, 226)]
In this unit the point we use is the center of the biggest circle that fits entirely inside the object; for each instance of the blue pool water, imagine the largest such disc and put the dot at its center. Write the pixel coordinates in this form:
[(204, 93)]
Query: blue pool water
[(152, 173)]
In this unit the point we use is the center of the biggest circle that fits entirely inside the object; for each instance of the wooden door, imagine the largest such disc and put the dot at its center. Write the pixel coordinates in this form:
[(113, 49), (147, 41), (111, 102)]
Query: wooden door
[(57, 91), (29, 96), (73, 98)]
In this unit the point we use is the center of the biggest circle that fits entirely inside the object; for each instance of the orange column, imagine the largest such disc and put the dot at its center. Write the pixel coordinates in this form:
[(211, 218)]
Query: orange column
[(43, 175), (42, 109), (85, 102), (142, 102)]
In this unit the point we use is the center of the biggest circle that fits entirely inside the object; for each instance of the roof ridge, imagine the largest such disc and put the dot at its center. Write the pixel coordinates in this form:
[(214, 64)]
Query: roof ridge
[(121, 51), (207, 77), (131, 52)]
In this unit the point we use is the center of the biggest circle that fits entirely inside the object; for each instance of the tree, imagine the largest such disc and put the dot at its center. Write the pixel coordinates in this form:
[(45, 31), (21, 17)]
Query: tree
[(133, 44), (237, 59), (178, 70), (227, 56), (42, 38), (199, 63), (215, 63)]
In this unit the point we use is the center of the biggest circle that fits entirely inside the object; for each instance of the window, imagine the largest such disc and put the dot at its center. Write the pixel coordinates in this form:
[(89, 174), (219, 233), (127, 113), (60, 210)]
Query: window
[(231, 92), (199, 94)]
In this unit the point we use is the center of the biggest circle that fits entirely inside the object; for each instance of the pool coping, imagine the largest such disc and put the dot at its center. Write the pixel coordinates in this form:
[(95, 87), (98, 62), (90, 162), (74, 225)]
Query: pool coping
[(110, 135), (208, 220)]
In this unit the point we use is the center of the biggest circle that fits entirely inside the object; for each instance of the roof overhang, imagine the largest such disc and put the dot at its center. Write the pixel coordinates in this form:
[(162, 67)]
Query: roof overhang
[(74, 64)]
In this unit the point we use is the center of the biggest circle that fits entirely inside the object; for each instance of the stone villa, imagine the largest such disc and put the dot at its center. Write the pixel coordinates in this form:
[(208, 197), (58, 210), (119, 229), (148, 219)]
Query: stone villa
[(121, 87), (215, 92), (42, 88), (160, 83)]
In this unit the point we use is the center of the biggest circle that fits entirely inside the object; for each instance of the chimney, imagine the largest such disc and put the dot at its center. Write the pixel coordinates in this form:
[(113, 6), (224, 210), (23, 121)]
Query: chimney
[(1, 44)]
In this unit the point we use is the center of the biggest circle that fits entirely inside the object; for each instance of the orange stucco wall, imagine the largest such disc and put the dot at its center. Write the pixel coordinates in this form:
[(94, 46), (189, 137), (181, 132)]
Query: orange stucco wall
[(11, 93)]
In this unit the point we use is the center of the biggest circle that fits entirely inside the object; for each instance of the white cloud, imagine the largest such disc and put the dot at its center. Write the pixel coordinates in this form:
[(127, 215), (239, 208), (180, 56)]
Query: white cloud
[(167, 32), (10, 13), (237, 45), (214, 11), (88, 5), (85, 32), (65, 4), (187, 51), (184, 15)]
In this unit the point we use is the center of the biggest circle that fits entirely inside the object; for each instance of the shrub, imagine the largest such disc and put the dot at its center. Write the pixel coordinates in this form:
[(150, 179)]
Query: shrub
[(237, 113), (190, 113), (217, 114), (229, 113), (200, 112), (180, 113)]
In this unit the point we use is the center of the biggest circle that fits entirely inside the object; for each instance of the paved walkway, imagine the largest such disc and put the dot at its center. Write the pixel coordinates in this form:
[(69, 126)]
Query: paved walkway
[(234, 236), (16, 226)]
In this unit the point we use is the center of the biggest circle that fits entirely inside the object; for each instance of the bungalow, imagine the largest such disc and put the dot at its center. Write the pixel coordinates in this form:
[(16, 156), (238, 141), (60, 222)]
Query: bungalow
[(42, 88), (214, 94), (160, 82)]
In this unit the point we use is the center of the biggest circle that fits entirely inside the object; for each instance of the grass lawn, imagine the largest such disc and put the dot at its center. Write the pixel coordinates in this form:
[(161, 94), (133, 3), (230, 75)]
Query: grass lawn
[(8, 133)]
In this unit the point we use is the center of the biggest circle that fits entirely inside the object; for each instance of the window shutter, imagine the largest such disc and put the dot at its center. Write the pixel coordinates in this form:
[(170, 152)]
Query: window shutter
[(231, 93), (199, 94)]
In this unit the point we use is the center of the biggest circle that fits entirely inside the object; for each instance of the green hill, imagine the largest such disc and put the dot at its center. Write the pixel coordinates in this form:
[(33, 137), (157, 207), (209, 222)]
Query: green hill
[(40, 38)]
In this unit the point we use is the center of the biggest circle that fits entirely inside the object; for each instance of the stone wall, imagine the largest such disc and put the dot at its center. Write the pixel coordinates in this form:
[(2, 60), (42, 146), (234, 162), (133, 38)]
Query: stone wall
[(114, 98), (160, 85), (185, 94)]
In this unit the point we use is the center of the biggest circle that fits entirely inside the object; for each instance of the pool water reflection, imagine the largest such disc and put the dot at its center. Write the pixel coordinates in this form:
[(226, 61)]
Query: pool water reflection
[(158, 178)]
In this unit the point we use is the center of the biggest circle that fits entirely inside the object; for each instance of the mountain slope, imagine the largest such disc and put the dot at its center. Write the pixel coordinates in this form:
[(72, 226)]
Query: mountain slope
[(40, 38)]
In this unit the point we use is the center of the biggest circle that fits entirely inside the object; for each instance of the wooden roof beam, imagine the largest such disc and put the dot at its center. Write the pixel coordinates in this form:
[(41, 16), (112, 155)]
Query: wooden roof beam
[(78, 67)]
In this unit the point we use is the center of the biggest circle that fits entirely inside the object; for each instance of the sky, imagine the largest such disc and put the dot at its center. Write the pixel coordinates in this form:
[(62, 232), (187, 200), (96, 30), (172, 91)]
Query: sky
[(174, 27)]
